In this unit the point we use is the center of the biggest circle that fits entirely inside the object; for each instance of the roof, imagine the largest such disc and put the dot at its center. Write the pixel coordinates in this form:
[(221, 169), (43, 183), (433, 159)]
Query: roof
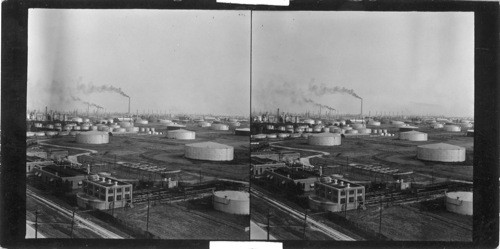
[(442, 146), (180, 131), (92, 133), (462, 195), (326, 135), (243, 129), (412, 132), (233, 195), (210, 145)]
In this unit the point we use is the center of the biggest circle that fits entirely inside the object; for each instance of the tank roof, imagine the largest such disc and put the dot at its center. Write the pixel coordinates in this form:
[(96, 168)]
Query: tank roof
[(413, 132), (462, 195), (441, 146), (233, 195), (326, 135), (210, 145), (179, 131), (243, 129), (93, 133)]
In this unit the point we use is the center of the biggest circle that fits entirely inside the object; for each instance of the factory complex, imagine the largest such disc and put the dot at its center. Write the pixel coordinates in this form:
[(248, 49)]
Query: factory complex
[(367, 174), (158, 169)]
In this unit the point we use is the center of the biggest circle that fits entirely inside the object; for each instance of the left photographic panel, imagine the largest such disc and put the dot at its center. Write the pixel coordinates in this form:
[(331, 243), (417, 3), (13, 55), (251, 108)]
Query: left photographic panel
[(138, 124)]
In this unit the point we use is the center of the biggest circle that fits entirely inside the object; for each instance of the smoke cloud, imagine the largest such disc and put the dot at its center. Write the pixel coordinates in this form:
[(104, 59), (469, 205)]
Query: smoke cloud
[(317, 104), (87, 103), (90, 88), (322, 90)]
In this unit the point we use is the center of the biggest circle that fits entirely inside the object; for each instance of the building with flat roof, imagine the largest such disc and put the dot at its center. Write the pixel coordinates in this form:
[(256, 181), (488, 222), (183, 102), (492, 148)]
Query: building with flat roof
[(260, 165), (60, 176), (104, 193), (336, 195), (303, 178), (282, 156)]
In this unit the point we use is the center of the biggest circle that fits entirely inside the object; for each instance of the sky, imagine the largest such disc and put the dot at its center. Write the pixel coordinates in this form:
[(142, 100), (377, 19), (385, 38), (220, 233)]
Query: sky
[(174, 61), (411, 63)]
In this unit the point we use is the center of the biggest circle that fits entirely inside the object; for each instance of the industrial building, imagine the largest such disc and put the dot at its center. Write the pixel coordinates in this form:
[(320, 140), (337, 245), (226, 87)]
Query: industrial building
[(57, 176), (260, 165), (441, 152), (104, 193), (336, 195), (459, 202), (209, 151), (413, 136), (92, 137), (452, 128), (232, 202), (181, 134), (281, 176), (325, 139), (280, 156)]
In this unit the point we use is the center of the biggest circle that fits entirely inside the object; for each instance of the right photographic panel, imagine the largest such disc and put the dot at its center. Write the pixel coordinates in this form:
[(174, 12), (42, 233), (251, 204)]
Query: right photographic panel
[(362, 125)]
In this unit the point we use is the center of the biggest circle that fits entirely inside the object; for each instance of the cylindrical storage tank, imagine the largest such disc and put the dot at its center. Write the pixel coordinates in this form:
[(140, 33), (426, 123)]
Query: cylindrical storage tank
[(295, 135), (58, 125), (232, 202), (153, 129), (209, 151), (317, 130), (283, 135), (51, 133), (271, 136), (165, 121), (325, 129), (110, 120), (142, 129), (30, 134), (204, 124), (466, 125), (413, 136), (306, 135), (119, 130), (324, 139), (309, 121), (181, 134), (85, 120), (459, 202), (270, 127), (375, 131), (351, 132), (92, 137), (38, 125), (281, 128), (125, 124), (84, 128), (407, 128), (78, 120), (364, 131), (141, 122), (441, 152), (148, 129), (242, 131), (397, 123), (103, 121), (93, 128), (317, 121), (347, 128), (299, 129), (452, 128), (63, 133), (74, 133), (357, 126), (77, 128), (49, 126), (308, 130), (132, 129), (259, 136), (220, 127), (233, 125), (40, 134), (336, 130), (374, 123), (384, 130), (289, 130), (289, 126)]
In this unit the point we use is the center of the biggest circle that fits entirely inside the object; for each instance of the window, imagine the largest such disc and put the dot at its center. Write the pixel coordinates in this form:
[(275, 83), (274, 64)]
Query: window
[(110, 198), (342, 192), (360, 191), (360, 198), (119, 190), (342, 200), (102, 197), (127, 189), (351, 192), (127, 196), (118, 197), (351, 199), (110, 191)]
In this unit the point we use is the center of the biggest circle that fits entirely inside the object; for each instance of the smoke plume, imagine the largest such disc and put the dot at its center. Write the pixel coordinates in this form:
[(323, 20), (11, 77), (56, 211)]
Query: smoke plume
[(87, 103), (90, 88), (317, 104), (322, 90)]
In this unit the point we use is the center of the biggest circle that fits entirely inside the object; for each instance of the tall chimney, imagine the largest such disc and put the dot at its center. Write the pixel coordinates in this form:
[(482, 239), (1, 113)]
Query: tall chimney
[(361, 107), (129, 105), (278, 116)]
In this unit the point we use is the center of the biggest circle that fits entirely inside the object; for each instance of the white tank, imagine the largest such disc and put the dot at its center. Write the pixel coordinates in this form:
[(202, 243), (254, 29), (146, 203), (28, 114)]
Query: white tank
[(233, 125), (357, 126), (308, 130), (374, 123), (181, 134), (232, 202), (326, 129), (132, 129), (204, 124), (351, 132), (317, 130), (126, 124), (452, 128), (51, 133), (92, 137), (141, 122), (459, 202), (93, 128), (347, 128), (40, 134), (299, 129), (63, 133), (295, 135), (38, 125), (74, 133), (413, 136), (209, 151), (283, 135), (119, 130), (441, 152), (364, 131), (325, 139), (103, 128), (84, 128), (271, 136), (309, 121), (306, 135), (259, 136), (30, 134), (220, 127), (165, 121)]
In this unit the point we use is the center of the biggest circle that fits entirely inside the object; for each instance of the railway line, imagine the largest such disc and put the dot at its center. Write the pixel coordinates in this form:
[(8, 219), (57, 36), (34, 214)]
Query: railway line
[(104, 233), (334, 234)]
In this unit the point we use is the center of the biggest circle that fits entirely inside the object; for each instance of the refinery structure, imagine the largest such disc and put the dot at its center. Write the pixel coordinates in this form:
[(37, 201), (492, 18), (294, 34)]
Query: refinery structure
[(367, 177), (160, 169)]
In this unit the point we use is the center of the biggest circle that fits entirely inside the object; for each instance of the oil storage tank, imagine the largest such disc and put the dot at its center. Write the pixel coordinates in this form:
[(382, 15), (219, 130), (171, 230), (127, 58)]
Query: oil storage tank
[(413, 136), (459, 202), (220, 127), (209, 151), (441, 152), (325, 139), (242, 131), (452, 128), (92, 137), (181, 134), (232, 202)]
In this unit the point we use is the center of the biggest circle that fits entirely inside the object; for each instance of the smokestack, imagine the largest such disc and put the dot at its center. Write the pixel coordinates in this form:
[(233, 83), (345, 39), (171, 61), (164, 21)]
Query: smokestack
[(278, 116), (129, 105), (361, 107)]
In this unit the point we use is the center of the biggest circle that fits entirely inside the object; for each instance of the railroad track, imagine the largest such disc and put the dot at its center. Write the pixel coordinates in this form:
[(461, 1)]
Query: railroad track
[(104, 233), (334, 234), (400, 198)]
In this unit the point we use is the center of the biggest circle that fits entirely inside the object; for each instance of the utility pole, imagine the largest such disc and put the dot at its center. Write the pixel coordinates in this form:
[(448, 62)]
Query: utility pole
[(268, 228), (36, 224), (380, 219), (147, 217), (72, 223), (305, 225)]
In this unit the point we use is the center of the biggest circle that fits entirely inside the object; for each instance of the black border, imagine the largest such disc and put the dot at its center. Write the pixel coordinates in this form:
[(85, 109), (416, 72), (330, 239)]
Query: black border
[(14, 78)]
